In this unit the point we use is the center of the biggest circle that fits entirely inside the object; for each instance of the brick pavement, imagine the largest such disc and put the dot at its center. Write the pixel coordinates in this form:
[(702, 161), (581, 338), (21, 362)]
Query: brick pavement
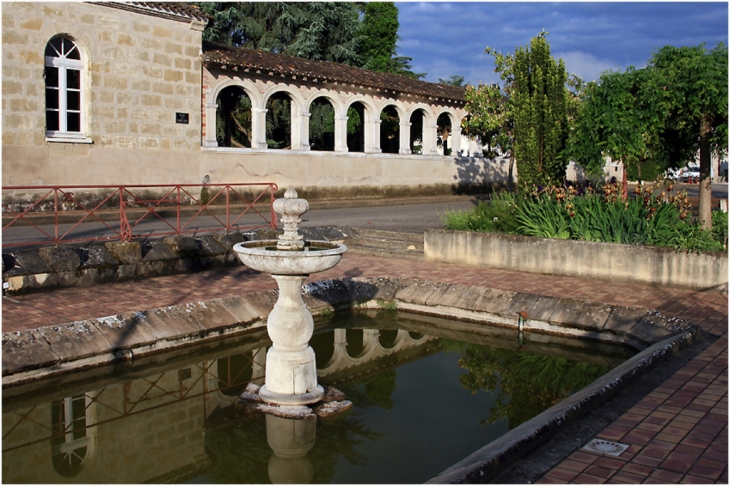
[(677, 433)]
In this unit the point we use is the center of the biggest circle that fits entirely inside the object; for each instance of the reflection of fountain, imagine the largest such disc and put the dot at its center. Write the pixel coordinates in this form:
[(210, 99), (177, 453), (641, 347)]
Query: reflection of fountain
[(291, 440), (291, 374)]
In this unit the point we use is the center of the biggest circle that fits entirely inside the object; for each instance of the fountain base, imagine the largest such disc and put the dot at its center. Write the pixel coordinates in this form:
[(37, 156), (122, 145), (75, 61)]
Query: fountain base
[(291, 400)]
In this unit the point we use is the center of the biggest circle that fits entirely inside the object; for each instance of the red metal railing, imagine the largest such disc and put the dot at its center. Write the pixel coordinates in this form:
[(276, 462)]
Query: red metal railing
[(55, 214)]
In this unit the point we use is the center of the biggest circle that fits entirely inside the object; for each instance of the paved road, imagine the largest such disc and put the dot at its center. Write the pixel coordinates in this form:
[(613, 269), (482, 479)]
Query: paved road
[(395, 217)]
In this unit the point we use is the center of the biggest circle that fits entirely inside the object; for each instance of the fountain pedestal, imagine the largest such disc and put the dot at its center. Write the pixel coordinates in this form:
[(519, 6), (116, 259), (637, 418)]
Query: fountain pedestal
[(291, 372)]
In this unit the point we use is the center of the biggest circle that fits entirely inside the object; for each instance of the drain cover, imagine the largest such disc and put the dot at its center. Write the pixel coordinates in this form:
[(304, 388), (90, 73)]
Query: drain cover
[(605, 447)]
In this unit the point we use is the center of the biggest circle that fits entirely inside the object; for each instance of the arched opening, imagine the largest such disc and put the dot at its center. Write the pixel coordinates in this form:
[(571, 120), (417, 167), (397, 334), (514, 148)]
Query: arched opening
[(322, 125), (234, 373), (233, 118), (443, 131), (356, 127), (278, 121), (416, 142), (389, 130), (387, 337)]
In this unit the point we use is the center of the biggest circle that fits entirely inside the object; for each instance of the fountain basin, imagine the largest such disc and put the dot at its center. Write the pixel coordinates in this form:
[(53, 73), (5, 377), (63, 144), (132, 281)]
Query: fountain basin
[(316, 256)]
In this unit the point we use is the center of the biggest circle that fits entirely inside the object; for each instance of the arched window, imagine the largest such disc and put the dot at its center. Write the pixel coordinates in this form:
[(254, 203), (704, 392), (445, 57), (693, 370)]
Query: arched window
[(64, 93)]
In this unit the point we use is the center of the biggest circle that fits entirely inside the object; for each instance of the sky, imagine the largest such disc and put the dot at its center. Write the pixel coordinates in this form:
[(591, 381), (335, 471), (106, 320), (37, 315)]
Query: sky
[(444, 39)]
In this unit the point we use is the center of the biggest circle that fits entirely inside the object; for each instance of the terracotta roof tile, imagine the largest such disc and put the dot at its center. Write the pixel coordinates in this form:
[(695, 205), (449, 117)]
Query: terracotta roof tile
[(171, 10), (268, 62)]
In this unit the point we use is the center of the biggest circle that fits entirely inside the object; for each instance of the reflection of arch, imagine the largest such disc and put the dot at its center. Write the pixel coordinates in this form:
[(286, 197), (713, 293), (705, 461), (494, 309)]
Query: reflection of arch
[(388, 338), (347, 353), (74, 434), (234, 373)]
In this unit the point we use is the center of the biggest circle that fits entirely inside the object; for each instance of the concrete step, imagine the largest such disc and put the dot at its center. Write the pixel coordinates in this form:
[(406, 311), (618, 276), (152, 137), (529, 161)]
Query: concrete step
[(390, 235), (387, 243)]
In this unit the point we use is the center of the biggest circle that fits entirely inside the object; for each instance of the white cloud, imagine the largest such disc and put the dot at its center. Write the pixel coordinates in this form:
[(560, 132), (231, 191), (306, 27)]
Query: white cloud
[(586, 65)]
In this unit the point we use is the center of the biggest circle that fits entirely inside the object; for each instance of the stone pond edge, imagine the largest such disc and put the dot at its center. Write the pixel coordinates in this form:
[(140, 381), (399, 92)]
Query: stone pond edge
[(56, 350)]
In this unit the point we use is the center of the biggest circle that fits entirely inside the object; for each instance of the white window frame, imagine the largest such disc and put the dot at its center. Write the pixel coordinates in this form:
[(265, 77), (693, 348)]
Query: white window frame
[(63, 65)]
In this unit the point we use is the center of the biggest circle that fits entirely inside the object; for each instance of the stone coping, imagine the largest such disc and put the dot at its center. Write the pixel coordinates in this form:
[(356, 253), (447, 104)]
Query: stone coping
[(56, 351), (48, 351)]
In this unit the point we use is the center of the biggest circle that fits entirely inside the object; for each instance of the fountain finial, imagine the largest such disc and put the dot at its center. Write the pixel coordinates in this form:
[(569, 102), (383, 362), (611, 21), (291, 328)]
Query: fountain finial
[(290, 207)]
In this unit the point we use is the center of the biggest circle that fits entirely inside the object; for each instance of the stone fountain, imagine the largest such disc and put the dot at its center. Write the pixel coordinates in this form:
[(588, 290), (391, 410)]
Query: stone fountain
[(291, 373)]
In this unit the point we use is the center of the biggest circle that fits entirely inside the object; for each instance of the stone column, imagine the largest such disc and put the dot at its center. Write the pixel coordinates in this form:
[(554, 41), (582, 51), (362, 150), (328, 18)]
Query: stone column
[(258, 128), (341, 133), (405, 138), (372, 143), (299, 130), (210, 125), (455, 140)]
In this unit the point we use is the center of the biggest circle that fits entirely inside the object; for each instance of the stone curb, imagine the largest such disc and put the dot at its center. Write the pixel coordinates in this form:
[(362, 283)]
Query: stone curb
[(59, 349)]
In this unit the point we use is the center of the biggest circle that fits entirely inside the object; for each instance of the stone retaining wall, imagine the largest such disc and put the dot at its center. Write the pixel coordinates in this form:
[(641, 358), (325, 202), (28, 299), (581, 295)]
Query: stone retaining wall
[(50, 267), (628, 263)]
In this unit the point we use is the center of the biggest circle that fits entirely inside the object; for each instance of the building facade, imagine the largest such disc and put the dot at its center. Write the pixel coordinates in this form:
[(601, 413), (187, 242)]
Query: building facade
[(128, 93)]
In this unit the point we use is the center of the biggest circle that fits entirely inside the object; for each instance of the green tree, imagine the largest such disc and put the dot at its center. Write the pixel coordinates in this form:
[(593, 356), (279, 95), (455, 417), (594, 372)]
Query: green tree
[(378, 49), (332, 34), (269, 26), (615, 121), (453, 80), (664, 114), (539, 110), (690, 85)]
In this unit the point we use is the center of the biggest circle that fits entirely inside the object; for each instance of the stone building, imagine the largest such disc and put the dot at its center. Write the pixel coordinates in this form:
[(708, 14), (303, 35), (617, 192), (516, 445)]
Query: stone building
[(128, 93)]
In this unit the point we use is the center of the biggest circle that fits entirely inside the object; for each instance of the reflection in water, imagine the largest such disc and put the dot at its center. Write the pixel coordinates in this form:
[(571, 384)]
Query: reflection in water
[(420, 387), (527, 383)]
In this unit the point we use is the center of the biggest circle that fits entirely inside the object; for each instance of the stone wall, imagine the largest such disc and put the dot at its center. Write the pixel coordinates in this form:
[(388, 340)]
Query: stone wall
[(139, 71), (586, 259)]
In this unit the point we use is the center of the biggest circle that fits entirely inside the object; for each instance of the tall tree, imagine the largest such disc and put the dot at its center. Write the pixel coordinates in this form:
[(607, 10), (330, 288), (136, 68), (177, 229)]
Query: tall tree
[(691, 86), (615, 121), (269, 26), (378, 48), (539, 107), (668, 111), (332, 34)]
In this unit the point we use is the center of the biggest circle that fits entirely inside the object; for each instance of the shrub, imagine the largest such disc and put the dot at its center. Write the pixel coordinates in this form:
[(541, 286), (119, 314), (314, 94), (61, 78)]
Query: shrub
[(654, 216)]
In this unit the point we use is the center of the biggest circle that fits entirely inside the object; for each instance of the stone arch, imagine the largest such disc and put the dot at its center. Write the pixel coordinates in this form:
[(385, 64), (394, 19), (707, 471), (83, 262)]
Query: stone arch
[(393, 127), (298, 116), (324, 121), (369, 138), (451, 144), (211, 108)]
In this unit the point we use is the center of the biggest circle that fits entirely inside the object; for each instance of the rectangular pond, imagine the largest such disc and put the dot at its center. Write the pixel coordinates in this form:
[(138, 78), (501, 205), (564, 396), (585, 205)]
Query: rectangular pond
[(427, 392)]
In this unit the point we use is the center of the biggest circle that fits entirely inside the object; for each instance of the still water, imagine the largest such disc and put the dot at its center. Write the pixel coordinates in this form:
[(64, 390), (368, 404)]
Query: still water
[(427, 393)]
